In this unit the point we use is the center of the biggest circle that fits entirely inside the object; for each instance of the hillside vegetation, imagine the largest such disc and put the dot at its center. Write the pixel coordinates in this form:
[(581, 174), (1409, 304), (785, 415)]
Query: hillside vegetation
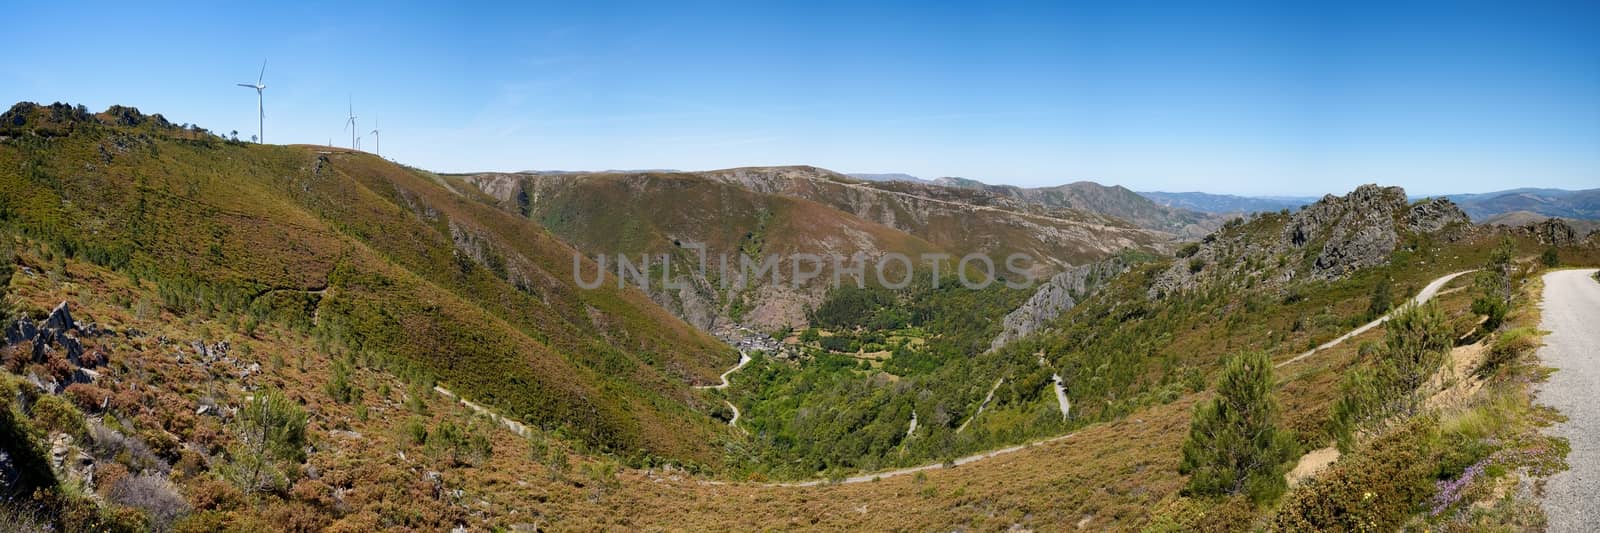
[(388, 261)]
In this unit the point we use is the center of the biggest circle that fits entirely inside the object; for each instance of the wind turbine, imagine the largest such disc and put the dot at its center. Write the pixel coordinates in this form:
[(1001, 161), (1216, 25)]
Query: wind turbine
[(377, 137), (261, 119), (350, 124)]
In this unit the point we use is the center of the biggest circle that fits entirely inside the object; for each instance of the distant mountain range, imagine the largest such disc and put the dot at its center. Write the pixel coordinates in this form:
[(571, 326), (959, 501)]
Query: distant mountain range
[(887, 177), (1111, 200), (1579, 205), (1192, 213), (1227, 203), (1482, 207), (1523, 218)]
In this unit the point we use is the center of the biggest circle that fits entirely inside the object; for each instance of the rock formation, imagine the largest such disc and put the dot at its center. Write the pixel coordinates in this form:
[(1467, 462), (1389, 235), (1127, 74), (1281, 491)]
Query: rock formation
[(1058, 295)]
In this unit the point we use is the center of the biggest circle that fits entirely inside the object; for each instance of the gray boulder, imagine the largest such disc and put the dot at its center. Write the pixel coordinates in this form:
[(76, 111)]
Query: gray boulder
[(73, 348), (84, 375), (60, 319)]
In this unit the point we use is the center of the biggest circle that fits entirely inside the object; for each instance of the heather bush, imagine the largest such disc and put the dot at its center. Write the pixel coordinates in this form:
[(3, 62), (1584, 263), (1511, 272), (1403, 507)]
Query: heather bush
[(152, 494), (1377, 489)]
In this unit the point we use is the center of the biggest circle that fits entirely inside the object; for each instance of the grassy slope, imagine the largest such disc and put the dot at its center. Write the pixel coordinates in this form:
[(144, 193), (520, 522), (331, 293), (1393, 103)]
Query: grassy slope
[(234, 226)]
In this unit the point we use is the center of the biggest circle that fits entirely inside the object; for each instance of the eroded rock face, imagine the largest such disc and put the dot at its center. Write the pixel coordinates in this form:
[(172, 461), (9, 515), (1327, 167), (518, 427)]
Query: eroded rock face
[(1058, 295)]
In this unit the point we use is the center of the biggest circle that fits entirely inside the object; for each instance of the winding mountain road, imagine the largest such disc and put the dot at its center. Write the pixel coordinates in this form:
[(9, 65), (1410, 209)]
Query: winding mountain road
[(744, 359), (1571, 313), (981, 406), (1427, 293)]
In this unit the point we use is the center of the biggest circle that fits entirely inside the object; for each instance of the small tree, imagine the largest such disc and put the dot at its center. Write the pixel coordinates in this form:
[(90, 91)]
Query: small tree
[(1551, 257), (1234, 445), (1493, 284), (272, 428), (1381, 299), (1415, 343)]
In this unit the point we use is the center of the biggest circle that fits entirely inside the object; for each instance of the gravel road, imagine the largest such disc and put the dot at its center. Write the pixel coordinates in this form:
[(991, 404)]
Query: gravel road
[(1424, 295), (1571, 313)]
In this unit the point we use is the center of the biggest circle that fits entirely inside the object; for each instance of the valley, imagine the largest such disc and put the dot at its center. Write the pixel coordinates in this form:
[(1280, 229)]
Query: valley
[(428, 334)]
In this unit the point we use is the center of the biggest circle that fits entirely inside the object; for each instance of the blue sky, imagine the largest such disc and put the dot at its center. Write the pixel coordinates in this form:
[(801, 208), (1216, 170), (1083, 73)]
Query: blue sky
[(1267, 98)]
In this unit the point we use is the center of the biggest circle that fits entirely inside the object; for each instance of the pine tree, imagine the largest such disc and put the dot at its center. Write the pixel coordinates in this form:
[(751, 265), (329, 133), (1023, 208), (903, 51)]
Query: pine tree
[(1381, 299), (1416, 342), (1494, 287), (1235, 446), (272, 428)]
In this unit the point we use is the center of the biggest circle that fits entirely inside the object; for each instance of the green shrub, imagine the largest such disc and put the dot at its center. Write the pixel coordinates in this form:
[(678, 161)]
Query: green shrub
[(1377, 489), (1507, 348), (55, 413), (1417, 340), (1360, 395), (1551, 258), (415, 431), (339, 387), (460, 445), (32, 466), (1234, 445)]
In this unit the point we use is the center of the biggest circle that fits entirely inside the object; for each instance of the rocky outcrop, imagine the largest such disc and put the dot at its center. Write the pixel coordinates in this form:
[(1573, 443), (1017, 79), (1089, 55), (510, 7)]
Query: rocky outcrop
[(1434, 214), (1551, 232), (1056, 296), (53, 335), (1356, 231), (1327, 240)]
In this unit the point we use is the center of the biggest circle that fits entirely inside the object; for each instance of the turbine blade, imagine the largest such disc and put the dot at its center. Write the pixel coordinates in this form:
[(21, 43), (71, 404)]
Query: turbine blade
[(263, 72), (245, 85)]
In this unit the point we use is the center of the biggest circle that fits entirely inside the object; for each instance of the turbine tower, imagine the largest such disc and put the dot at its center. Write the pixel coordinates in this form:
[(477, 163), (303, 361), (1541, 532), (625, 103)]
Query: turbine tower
[(376, 137), (350, 124), (261, 112)]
